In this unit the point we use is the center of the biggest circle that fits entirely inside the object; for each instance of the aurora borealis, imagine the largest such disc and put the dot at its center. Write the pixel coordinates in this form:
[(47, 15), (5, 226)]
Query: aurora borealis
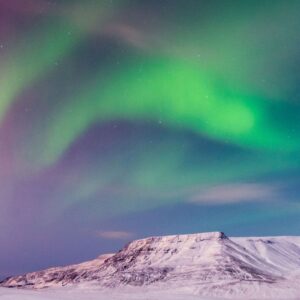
[(145, 117)]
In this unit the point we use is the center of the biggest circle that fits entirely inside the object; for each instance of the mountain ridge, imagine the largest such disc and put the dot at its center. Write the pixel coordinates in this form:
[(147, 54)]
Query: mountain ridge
[(206, 263)]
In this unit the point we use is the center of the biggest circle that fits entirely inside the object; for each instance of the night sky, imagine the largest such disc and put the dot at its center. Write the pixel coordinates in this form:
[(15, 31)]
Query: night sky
[(121, 119)]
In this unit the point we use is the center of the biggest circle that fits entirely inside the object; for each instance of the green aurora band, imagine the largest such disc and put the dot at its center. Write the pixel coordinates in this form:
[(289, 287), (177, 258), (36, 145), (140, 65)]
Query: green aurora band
[(181, 96)]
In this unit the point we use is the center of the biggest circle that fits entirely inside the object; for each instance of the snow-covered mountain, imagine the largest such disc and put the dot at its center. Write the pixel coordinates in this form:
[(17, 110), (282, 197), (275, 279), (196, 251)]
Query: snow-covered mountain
[(207, 264)]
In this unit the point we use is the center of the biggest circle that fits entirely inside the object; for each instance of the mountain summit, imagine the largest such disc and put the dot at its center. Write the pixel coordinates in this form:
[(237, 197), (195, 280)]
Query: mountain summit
[(205, 263)]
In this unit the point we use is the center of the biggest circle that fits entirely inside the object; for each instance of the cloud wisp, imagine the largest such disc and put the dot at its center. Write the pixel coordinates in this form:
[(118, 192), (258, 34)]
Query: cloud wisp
[(234, 193), (114, 235)]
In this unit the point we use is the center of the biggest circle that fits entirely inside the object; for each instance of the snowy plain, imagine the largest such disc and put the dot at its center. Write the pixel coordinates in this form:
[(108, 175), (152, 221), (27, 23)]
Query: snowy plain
[(93, 294), (97, 294)]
